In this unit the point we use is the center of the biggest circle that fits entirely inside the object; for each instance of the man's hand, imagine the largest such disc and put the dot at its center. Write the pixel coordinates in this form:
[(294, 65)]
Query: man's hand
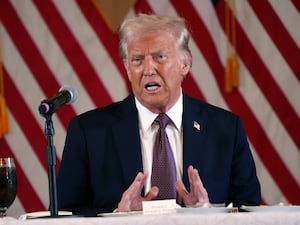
[(198, 195), (131, 199)]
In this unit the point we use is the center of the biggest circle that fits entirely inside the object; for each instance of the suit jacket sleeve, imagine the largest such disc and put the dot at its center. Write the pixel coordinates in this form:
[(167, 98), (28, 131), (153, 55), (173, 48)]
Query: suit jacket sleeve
[(73, 181), (244, 184)]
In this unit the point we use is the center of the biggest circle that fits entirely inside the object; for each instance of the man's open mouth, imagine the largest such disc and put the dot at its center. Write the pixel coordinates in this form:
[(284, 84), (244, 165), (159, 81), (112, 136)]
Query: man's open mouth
[(152, 86)]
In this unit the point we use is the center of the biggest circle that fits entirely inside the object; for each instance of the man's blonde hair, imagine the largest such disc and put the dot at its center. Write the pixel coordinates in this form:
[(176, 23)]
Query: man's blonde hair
[(135, 27)]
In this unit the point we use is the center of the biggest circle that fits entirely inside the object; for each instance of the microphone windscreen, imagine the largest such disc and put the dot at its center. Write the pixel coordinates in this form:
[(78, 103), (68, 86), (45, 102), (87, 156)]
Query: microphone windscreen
[(72, 91)]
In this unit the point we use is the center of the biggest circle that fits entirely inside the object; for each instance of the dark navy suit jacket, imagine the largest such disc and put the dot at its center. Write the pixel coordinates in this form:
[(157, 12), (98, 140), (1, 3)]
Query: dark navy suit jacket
[(102, 156)]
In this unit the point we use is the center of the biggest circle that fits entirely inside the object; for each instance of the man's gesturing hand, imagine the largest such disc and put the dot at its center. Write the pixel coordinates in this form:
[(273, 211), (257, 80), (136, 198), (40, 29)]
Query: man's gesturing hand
[(198, 195), (131, 199)]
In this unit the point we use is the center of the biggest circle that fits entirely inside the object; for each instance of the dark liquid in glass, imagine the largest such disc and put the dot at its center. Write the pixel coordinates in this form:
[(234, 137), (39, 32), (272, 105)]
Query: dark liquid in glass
[(8, 186)]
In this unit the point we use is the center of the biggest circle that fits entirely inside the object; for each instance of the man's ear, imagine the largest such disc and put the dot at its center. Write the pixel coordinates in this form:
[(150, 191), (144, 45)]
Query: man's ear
[(185, 68)]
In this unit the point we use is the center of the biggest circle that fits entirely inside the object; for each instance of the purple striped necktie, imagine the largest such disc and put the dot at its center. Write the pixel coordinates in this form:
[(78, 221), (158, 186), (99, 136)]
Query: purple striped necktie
[(163, 165)]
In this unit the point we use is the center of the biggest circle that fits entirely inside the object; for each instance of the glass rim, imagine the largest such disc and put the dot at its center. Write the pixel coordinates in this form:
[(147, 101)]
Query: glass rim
[(7, 162)]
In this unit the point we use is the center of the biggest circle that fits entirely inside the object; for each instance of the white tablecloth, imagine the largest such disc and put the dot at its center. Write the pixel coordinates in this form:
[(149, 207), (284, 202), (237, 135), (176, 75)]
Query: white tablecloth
[(253, 218)]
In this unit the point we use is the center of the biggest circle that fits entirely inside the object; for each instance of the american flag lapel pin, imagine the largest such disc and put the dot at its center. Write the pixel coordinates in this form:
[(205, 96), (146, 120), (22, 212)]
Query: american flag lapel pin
[(197, 125)]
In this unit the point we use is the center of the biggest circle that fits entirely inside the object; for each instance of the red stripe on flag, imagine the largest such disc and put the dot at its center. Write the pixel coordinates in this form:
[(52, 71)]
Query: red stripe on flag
[(26, 193), (284, 42), (296, 4), (189, 86), (74, 53), (142, 6)]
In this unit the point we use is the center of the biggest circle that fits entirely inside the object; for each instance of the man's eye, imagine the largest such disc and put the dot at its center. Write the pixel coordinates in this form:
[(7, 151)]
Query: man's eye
[(160, 57), (136, 60)]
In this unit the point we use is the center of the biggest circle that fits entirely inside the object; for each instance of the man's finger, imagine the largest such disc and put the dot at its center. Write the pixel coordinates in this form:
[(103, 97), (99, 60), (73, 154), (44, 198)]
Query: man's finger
[(151, 194), (181, 189), (136, 186)]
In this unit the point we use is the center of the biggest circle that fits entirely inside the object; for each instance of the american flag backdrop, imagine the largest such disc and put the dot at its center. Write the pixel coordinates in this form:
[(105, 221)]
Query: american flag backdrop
[(46, 44)]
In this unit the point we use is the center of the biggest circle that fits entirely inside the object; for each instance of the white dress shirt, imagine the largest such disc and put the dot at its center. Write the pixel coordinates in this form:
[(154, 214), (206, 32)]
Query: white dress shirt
[(148, 131)]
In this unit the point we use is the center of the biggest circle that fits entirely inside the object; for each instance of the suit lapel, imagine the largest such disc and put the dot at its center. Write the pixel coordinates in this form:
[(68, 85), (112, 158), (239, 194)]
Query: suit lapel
[(127, 139)]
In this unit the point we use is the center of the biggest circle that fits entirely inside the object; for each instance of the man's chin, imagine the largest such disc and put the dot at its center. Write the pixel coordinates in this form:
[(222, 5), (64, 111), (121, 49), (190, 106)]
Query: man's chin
[(155, 105)]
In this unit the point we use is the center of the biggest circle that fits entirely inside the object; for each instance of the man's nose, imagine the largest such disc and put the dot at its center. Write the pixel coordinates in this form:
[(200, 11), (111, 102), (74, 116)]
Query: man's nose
[(149, 66)]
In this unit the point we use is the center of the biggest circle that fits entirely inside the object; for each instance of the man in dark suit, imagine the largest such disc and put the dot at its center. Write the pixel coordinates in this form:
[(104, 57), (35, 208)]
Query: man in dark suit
[(107, 159)]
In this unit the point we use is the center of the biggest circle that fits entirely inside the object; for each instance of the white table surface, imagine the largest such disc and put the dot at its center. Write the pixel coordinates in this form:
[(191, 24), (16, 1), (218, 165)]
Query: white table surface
[(255, 218)]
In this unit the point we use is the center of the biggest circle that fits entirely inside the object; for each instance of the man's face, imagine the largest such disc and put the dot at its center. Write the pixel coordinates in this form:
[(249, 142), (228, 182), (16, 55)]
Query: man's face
[(155, 70)]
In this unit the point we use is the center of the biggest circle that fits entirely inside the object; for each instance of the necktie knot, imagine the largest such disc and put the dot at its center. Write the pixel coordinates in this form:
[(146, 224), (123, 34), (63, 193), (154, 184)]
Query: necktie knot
[(163, 120)]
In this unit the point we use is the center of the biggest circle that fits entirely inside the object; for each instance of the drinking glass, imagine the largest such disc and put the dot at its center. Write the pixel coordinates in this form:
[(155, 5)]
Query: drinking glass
[(8, 184)]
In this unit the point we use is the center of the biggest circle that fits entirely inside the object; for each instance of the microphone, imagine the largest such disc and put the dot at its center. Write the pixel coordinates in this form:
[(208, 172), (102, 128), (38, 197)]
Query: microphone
[(66, 95)]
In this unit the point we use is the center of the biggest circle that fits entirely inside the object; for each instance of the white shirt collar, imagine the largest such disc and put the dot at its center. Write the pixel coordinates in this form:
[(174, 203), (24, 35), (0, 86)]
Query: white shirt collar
[(175, 114)]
